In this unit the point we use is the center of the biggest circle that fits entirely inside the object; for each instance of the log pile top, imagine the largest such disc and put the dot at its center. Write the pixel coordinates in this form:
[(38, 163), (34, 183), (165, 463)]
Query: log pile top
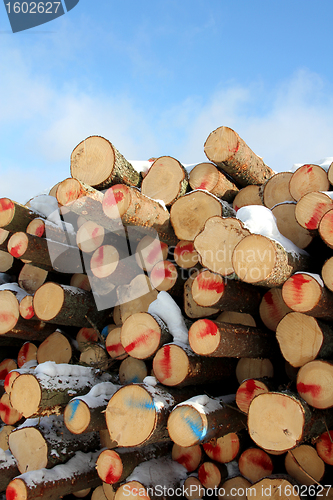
[(167, 331)]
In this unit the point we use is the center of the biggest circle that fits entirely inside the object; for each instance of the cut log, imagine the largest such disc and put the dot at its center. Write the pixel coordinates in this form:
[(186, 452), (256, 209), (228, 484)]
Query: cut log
[(98, 494), (208, 176), (304, 465), (189, 457), (306, 293), (98, 163), (211, 475), (46, 229), (26, 307), (114, 466), (248, 390), (236, 317), (14, 216), (85, 337), (190, 212), (315, 383), (8, 470), (85, 414), (191, 308), (288, 226), (5, 430), (108, 262), (149, 251), (273, 308), (96, 356), (31, 278), (176, 365), (324, 447), (262, 261), (212, 290), (29, 330), (306, 179), (6, 366), (165, 276), (52, 484), (185, 254), (90, 236), (210, 338), (142, 334), (193, 489), (311, 207), (216, 242), (166, 180), (201, 418), (38, 445), (282, 486), (223, 449), (248, 195), (4, 237), (254, 368), (238, 485), (280, 421), (254, 464), (28, 352), (227, 150), (50, 387), (113, 344), (303, 338), (135, 297), (7, 261), (132, 371), (80, 280), (325, 228), (137, 414), (276, 189), (67, 305), (8, 414), (136, 209), (55, 348)]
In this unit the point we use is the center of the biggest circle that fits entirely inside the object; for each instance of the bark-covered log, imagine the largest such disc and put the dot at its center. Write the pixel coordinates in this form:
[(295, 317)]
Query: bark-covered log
[(255, 464), (223, 449), (304, 465), (212, 475), (14, 216), (288, 226), (273, 308), (208, 176), (308, 178), (311, 207), (248, 195), (8, 469), (248, 390), (191, 308)]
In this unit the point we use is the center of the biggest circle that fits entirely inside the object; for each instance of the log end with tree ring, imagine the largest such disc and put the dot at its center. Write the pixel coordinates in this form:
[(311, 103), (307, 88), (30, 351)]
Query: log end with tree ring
[(276, 421), (315, 383), (140, 335), (189, 213), (185, 254), (300, 338), (304, 465), (18, 244), (28, 352), (80, 280), (254, 258), (9, 311), (248, 390), (26, 394), (56, 347), (301, 292), (254, 464), (149, 251), (171, 365), (8, 414), (26, 307), (204, 337), (282, 487), (85, 337), (209, 475), (163, 276), (116, 201), (308, 178), (288, 226), (248, 195), (311, 208), (48, 301), (132, 371), (193, 489), (104, 261), (254, 368), (6, 365), (109, 466), (17, 490), (223, 449), (236, 317), (166, 180), (207, 288), (92, 160), (77, 416), (29, 449), (131, 416), (235, 484), (327, 273), (221, 145), (272, 308), (204, 176), (113, 344), (324, 447), (325, 228), (68, 191), (7, 211), (36, 227), (90, 236), (31, 278), (190, 457), (276, 189), (187, 426)]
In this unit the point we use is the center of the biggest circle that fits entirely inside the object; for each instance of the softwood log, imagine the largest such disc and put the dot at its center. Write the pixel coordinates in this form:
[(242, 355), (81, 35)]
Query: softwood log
[(132, 371), (202, 418), (190, 212), (255, 464), (8, 414), (56, 347), (208, 176), (298, 329), (325, 228), (67, 305), (308, 178), (43, 228), (14, 216), (8, 263), (165, 276), (248, 390), (98, 163), (9, 309), (238, 485), (304, 465), (85, 414), (213, 290), (253, 368), (114, 346), (8, 469), (276, 189), (80, 281), (31, 278), (85, 337), (137, 413), (176, 365), (288, 226), (149, 251), (236, 317), (108, 262), (28, 352), (90, 236), (306, 293), (114, 466), (216, 242), (248, 195), (262, 261), (327, 273), (29, 330), (40, 444), (185, 254), (324, 447), (190, 457), (280, 421), (191, 308), (166, 180), (26, 307), (51, 484), (211, 475), (5, 430), (272, 308), (223, 449), (281, 485), (227, 150), (315, 383), (135, 297), (210, 338), (311, 207), (6, 365)]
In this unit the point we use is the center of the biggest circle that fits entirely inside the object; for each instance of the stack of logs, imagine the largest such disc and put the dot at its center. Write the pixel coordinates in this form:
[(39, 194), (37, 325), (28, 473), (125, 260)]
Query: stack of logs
[(151, 337)]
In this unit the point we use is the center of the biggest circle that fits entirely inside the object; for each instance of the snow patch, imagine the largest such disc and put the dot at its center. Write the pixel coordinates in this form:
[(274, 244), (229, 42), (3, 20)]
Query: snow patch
[(166, 308)]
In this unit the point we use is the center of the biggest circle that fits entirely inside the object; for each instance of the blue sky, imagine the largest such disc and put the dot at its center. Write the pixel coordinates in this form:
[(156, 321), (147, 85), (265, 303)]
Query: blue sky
[(156, 77)]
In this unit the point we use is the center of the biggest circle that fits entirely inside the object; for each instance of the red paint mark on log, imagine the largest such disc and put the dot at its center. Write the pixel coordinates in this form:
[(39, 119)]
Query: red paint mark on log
[(11, 493), (212, 451), (209, 285), (16, 251), (6, 383), (313, 389), (316, 216), (250, 387), (115, 348), (155, 253), (88, 334), (186, 461), (95, 232), (141, 339), (261, 459), (268, 297), (161, 273), (208, 328), (165, 362), (3, 374), (182, 250), (29, 313), (298, 280), (99, 256), (113, 197), (326, 442), (308, 168), (236, 208), (23, 353), (4, 412), (111, 477), (6, 318), (203, 185), (39, 231), (203, 474), (6, 204)]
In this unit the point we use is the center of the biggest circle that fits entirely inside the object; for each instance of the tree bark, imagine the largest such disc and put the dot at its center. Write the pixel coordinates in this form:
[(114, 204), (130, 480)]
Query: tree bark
[(14, 216)]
